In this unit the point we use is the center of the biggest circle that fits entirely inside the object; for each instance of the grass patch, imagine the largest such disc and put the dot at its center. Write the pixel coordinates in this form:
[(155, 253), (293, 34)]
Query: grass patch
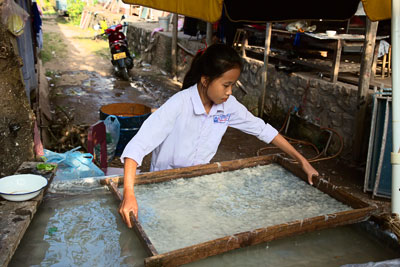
[(53, 46), (62, 20), (49, 73), (97, 47), (49, 12), (103, 52)]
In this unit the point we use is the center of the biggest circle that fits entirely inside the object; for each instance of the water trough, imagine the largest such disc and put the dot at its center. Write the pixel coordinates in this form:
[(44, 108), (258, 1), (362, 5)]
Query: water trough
[(360, 211)]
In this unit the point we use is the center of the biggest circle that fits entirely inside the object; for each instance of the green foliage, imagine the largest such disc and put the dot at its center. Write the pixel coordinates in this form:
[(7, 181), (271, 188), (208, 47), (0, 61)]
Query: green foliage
[(74, 10), (47, 6), (50, 12)]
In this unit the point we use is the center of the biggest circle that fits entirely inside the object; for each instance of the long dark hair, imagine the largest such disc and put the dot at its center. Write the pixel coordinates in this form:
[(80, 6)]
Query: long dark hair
[(212, 63)]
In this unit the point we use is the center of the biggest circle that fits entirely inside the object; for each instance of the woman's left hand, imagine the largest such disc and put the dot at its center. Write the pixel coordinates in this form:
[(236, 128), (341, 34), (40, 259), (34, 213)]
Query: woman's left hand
[(309, 170), (284, 145)]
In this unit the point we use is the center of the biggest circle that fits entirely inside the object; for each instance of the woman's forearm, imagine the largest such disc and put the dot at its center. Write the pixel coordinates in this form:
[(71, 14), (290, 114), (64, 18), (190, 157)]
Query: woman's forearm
[(129, 175), (129, 203), (286, 147)]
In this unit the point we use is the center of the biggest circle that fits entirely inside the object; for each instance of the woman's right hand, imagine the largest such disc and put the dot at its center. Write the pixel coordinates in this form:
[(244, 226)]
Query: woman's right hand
[(128, 205)]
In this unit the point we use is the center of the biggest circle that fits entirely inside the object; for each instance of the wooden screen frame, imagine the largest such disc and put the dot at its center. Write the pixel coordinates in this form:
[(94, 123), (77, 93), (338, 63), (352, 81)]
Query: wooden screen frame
[(361, 211)]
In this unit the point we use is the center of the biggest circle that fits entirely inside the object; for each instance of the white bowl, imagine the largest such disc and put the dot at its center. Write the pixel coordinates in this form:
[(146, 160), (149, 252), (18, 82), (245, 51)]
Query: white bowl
[(21, 187), (331, 33)]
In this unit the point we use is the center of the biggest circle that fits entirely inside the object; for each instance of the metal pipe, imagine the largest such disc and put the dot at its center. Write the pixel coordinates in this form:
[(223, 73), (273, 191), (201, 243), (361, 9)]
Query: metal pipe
[(396, 106)]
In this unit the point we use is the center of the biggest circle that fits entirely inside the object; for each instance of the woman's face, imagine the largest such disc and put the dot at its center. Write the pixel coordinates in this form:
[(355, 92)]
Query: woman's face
[(220, 89)]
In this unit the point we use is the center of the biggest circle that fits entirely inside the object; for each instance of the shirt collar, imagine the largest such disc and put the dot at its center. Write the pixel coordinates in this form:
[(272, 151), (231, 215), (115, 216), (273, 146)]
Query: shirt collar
[(198, 105)]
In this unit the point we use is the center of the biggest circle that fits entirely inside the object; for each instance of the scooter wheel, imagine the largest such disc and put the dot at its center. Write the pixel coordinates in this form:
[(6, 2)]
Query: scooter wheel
[(125, 74)]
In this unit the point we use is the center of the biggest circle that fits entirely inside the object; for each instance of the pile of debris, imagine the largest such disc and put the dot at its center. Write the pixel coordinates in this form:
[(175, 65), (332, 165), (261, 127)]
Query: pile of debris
[(65, 135)]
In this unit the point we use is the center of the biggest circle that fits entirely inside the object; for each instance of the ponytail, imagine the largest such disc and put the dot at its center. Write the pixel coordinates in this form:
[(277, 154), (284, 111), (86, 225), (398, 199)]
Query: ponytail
[(213, 62), (193, 75)]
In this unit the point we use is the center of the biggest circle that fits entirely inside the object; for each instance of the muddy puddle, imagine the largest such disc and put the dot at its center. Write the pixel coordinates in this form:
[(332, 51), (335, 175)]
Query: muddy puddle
[(78, 225), (82, 93)]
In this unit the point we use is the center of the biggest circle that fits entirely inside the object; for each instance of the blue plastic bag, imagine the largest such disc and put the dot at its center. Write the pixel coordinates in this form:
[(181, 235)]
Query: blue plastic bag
[(73, 164)]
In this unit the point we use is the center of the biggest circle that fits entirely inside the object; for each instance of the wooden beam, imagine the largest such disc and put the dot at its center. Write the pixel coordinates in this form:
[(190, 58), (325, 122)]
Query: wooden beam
[(193, 171), (363, 88), (209, 34), (336, 61), (265, 73), (214, 247), (245, 42), (174, 45), (374, 62)]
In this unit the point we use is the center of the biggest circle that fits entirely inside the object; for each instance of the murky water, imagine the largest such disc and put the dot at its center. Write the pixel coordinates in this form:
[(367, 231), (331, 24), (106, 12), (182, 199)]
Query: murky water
[(329, 247), (79, 230), (78, 225)]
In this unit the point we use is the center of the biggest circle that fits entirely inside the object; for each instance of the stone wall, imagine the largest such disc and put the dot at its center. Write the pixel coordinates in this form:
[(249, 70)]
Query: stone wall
[(318, 102), (155, 49)]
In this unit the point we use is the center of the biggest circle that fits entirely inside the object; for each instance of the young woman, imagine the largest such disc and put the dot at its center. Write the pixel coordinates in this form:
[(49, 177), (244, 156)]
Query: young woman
[(188, 128)]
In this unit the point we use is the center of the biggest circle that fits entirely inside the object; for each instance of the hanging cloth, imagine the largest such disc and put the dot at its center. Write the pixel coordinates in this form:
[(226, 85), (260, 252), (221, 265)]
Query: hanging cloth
[(37, 20)]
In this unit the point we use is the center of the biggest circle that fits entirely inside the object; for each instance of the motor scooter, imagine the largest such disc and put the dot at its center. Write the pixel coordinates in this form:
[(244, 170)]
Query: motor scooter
[(120, 56)]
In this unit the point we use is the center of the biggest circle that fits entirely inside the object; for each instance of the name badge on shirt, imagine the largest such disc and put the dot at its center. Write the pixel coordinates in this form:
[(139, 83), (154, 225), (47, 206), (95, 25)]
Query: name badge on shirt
[(222, 118)]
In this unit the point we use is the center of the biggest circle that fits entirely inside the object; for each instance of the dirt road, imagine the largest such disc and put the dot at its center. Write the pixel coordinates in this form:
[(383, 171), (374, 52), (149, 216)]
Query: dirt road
[(80, 53), (81, 76)]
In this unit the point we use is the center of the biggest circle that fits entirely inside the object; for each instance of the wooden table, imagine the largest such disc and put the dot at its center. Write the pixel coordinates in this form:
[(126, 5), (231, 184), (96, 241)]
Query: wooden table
[(335, 43)]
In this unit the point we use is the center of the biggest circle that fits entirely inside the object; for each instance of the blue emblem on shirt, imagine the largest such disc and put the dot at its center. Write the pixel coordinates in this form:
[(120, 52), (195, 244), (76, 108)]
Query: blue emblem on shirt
[(222, 118)]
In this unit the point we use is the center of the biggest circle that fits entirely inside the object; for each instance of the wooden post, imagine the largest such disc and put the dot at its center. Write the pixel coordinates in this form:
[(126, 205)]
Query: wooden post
[(209, 34), (374, 62), (245, 42), (174, 44), (383, 66), (336, 61), (137, 227), (265, 74), (363, 87)]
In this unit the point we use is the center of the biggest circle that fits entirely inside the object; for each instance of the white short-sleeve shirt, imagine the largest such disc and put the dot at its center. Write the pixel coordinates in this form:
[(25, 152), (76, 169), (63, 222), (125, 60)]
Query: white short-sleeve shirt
[(180, 133)]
